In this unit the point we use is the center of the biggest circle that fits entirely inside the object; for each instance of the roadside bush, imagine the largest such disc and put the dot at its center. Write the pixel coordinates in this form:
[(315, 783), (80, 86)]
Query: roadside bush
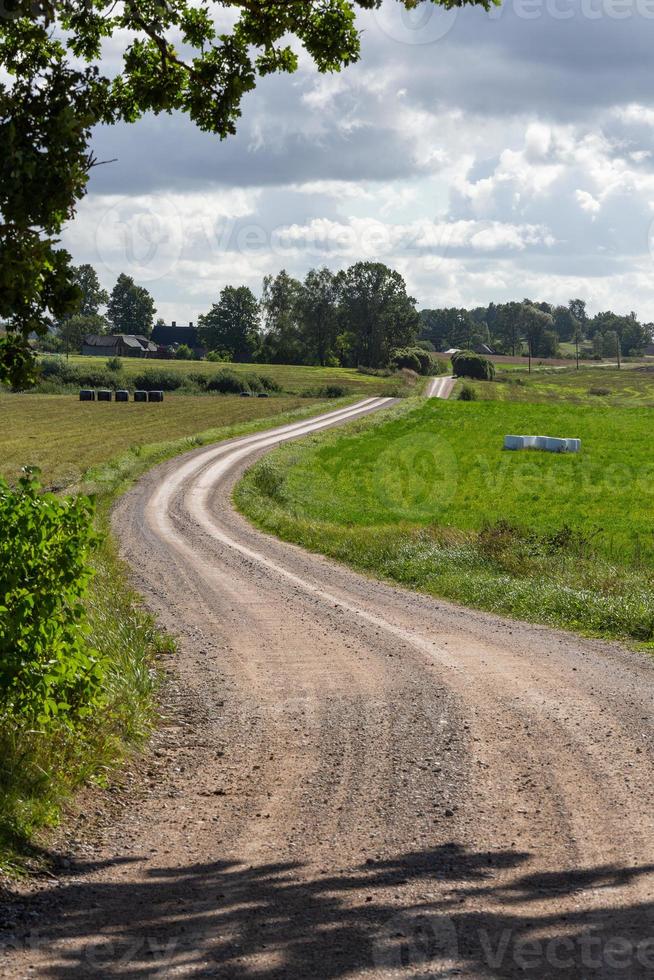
[(114, 364), (184, 353), (158, 379), (467, 394), (269, 479), (47, 668), (467, 364), (218, 357), (227, 383)]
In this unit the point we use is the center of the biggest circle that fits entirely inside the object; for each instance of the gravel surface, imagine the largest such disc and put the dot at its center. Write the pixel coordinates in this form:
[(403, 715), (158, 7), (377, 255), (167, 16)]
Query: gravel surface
[(440, 387), (350, 780)]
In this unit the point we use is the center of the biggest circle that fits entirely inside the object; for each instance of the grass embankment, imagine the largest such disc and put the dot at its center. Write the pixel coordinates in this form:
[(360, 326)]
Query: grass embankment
[(291, 378), (629, 386), (431, 500), (38, 774)]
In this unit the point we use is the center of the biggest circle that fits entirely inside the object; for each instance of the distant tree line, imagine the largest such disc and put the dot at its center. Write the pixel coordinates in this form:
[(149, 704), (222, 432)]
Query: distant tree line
[(535, 327), (359, 316)]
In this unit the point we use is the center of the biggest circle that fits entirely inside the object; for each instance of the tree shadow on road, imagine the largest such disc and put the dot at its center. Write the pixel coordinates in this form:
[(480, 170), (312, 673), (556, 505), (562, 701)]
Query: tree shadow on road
[(469, 914)]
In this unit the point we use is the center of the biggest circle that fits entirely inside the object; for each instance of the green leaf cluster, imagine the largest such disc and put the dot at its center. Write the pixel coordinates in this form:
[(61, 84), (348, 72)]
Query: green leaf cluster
[(47, 669)]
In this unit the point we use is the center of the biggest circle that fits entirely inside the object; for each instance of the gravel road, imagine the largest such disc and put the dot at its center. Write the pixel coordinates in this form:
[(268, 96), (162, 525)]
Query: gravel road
[(352, 780), (440, 387)]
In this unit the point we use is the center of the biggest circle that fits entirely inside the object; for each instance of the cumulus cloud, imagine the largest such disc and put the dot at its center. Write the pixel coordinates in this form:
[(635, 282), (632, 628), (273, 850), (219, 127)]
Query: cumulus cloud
[(486, 156)]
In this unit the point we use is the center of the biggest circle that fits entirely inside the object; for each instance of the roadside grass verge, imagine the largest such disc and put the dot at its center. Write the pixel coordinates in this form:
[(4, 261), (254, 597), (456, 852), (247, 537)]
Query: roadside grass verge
[(39, 773), (429, 499)]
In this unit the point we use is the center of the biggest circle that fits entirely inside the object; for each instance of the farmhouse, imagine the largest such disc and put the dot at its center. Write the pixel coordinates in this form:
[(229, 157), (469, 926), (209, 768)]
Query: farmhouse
[(171, 335), (118, 345)]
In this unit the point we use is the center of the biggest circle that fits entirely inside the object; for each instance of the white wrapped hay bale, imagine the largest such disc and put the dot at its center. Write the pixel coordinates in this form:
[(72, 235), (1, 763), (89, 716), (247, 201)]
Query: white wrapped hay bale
[(514, 442), (550, 444)]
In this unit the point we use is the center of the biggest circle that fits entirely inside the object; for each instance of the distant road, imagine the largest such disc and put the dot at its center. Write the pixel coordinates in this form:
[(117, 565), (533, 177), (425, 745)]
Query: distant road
[(440, 387)]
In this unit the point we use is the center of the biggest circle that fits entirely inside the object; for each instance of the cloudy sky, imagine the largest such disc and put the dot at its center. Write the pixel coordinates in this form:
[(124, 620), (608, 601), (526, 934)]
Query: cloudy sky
[(485, 156)]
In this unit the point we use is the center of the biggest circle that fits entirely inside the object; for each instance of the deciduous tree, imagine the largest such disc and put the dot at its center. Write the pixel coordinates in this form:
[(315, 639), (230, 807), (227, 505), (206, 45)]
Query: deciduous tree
[(376, 312), (231, 326), (130, 308)]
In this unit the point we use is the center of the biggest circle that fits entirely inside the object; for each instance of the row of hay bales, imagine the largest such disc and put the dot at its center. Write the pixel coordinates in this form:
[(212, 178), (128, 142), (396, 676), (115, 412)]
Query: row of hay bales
[(120, 395)]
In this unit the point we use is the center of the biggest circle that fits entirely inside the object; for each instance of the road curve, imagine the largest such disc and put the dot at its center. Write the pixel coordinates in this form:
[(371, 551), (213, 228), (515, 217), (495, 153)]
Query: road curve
[(440, 387), (354, 780)]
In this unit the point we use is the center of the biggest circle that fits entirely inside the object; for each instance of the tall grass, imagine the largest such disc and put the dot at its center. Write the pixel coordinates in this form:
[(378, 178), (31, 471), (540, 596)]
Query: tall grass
[(39, 770)]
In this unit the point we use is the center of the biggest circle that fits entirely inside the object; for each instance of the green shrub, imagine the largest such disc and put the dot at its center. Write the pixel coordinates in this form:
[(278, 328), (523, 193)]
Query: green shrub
[(114, 364), (332, 391), (253, 382), (327, 391), (467, 394), (416, 359), (184, 353), (198, 379), (467, 364), (406, 358), (227, 383), (269, 384), (52, 367), (58, 370), (47, 668), (158, 379), (218, 357)]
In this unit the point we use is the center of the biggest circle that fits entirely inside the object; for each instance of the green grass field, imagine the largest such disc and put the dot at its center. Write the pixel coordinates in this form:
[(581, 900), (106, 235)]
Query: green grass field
[(291, 378), (65, 437), (629, 386), (430, 498)]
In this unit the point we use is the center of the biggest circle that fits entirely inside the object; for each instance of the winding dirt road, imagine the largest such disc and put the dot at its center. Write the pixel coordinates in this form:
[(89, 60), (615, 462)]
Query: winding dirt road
[(353, 780)]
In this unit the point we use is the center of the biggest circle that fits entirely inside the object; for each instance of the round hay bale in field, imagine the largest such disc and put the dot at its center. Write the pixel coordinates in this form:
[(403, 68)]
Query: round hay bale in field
[(140, 396)]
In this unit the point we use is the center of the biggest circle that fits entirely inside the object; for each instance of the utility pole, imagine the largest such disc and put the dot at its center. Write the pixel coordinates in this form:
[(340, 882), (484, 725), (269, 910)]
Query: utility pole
[(617, 347), (529, 350), (577, 347)]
